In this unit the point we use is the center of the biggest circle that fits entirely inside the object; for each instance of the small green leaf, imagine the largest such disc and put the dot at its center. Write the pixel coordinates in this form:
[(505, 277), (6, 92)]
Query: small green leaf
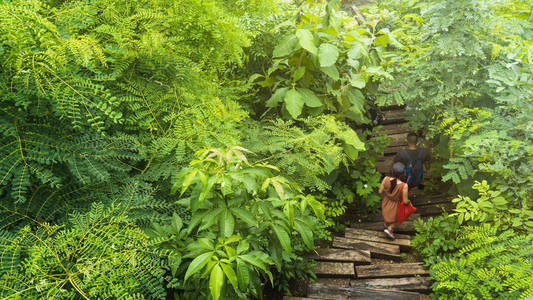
[(356, 98), (327, 55), (277, 97), (310, 98), (307, 40), (176, 222), (331, 71), (298, 74), (294, 103), (197, 264), (216, 281)]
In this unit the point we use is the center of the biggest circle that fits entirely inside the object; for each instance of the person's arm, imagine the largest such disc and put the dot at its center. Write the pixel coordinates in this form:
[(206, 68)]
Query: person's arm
[(405, 192), (382, 186)]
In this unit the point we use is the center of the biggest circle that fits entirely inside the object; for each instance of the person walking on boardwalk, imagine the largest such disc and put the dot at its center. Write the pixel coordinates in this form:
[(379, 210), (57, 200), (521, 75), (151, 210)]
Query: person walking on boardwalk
[(393, 189), (416, 161)]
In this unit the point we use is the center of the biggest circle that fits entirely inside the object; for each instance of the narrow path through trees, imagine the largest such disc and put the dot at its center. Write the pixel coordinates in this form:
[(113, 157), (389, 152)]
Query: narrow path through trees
[(364, 263)]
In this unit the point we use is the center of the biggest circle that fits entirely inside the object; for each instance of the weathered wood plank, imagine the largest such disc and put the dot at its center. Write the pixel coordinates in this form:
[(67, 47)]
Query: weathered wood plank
[(429, 200), (319, 291), (376, 249), (435, 209), (391, 270), (375, 236), (297, 298), (406, 227), (414, 284), (393, 116), (394, 129), (393, 149), (334, 268), (379, 233), (398, 140), (340, 282), (356, 256)]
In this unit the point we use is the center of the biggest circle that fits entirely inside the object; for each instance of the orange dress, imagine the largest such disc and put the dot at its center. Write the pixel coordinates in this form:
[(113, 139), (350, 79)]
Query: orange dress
[(389, 202)]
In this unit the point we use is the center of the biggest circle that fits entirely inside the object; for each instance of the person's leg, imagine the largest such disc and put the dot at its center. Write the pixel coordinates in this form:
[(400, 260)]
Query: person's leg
[(389, 230)]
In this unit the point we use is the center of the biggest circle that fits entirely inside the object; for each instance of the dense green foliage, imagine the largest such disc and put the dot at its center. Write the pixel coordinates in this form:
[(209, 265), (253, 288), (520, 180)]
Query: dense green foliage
[(466, 71), (121, 174)]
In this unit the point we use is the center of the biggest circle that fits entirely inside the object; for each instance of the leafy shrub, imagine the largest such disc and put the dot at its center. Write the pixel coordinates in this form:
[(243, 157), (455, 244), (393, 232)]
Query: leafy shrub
[(100, 254), (436, 237), (243, 219), (491, 265), (492, 207)]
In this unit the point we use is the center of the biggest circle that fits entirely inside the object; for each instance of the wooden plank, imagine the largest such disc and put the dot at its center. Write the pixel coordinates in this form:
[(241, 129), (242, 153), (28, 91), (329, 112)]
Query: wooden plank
[(361, 234), (340, 282), (393, 116), (392, 150), (398, 140), (378, 233), (375, 248), (383, 167), (414, 284), (394, 129), (391, 270), (319, 291), (334, 268), (297, 298), (356, 256), (406, 227)]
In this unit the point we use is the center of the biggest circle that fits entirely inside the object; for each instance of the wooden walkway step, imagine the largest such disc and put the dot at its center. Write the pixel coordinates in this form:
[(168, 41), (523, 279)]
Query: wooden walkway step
[(376, 249), (376, 236), (391, 270), (339, 269), (394, 116), (406, 227), (394, 129), (320, 291), (356, 256), (413, 284)]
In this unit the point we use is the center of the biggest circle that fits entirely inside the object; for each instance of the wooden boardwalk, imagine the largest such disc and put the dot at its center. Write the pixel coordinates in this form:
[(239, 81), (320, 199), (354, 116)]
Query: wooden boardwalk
[(365, 263)]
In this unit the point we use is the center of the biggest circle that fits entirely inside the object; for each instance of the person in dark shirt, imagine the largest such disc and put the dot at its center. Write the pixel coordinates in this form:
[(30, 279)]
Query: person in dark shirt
[(416, 161)]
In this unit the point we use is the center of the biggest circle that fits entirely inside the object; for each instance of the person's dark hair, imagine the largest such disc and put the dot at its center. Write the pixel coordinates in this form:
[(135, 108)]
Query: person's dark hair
[(397, 172), (412, 138)]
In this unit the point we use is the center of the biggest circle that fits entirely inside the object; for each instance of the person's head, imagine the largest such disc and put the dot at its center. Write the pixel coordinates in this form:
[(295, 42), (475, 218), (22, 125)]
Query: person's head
[(412, 139), (398, 171)]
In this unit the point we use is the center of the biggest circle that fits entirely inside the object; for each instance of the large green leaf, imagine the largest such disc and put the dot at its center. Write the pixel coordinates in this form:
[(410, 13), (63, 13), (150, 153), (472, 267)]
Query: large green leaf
[(216, 281), (245, 215), (298, 74), (331, 71), (227, 223), (307, 40), (310, 98), (306, 233), (197, 264), (243, 275), (358, 81), (277, 97), (356, 98), (283, 237), (327, 55), (294, 103), (286, 46), (230, 274), (357, 51)]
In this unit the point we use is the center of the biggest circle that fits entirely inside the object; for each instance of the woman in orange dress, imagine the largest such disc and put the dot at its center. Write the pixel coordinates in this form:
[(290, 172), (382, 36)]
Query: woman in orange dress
[(392, 188)]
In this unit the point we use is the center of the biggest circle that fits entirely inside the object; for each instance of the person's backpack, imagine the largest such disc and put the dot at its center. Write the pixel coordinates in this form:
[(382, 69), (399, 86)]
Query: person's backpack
[(414, 168)]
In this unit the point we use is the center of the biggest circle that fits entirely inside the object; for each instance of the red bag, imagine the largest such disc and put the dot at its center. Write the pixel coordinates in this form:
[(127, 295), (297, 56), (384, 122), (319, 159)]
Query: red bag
[(404, 210)]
